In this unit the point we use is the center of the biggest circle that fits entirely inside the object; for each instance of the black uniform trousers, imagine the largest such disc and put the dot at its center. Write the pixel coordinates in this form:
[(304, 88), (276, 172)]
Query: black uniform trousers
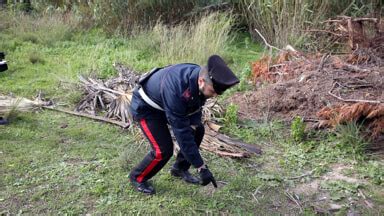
[(157, 132)]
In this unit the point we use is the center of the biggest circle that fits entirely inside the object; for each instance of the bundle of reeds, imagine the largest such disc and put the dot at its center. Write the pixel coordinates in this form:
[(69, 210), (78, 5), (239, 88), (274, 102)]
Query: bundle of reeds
[(9, 104)]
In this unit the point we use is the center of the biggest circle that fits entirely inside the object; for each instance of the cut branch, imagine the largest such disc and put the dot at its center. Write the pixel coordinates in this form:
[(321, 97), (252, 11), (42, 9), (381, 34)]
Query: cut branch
[(265, 41), (98, 118), (350, 100)]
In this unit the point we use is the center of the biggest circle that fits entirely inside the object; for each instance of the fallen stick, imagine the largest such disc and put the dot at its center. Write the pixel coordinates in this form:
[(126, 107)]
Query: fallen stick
[(369, 204), (301, 176), (265, 41), (322, 62), (353, 68), (324, 31), (350, 100), (99, 118), (226, 154), (345, 18), (358, 19), (291, 197)]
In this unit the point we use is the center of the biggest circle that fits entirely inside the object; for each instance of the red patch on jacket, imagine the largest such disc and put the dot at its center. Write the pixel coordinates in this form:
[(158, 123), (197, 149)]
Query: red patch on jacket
[(187, 94)]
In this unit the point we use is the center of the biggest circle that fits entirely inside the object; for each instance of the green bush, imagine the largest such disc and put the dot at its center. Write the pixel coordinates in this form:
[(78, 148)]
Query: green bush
[(298, 129), (230, 117)]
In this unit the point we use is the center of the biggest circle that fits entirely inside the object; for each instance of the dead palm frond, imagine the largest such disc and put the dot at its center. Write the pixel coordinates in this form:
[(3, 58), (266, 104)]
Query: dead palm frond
[(10, 106)]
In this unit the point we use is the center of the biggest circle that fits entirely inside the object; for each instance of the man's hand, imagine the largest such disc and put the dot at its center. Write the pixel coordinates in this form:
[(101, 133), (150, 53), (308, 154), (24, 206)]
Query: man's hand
[(206, 176)]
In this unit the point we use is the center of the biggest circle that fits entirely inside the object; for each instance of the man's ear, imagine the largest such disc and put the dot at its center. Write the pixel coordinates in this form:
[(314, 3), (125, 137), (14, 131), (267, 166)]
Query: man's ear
[(200, 81)]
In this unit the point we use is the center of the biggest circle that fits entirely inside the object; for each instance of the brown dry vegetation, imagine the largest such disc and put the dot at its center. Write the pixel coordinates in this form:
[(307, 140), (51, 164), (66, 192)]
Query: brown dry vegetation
[(322, 88)]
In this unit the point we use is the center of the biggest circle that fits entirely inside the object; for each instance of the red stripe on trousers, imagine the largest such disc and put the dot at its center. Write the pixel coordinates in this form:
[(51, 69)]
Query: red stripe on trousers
[(158, 156)]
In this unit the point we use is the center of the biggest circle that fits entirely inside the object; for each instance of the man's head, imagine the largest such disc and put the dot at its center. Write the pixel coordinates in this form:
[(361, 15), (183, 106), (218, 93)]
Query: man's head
[(205, 84), (216, 77)]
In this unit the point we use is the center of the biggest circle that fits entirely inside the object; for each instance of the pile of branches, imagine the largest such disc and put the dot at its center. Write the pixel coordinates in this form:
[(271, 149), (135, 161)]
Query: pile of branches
[(335, 88), (111, 98)]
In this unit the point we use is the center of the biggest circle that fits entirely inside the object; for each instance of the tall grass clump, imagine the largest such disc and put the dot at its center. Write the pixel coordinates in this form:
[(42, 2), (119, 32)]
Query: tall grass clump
[(122, 16), (281, 21), (351, 140), (192, 42), (44, 29)]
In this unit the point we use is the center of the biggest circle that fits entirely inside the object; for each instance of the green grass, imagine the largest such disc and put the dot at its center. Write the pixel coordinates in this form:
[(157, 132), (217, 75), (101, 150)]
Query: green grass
[(53, 163), (60, 163)]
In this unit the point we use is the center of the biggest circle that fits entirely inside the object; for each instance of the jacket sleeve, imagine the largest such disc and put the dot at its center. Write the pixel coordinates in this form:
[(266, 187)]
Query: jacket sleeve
[(176, 111)]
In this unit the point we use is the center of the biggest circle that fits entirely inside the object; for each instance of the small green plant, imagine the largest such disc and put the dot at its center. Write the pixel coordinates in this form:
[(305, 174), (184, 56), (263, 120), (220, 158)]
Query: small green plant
[(230, 118), (245, 75), (350, 140), (298, 129), (35, 58)]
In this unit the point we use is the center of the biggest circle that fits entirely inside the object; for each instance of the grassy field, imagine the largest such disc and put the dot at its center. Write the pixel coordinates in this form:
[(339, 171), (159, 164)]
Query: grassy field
[(53, 163)]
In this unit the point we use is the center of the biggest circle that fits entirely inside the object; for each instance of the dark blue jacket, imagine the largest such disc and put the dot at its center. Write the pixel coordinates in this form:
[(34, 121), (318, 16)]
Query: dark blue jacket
[(175, 89)]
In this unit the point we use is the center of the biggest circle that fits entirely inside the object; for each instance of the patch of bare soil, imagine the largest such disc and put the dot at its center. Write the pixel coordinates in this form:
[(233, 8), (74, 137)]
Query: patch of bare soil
[(336, 173), (321, 199)]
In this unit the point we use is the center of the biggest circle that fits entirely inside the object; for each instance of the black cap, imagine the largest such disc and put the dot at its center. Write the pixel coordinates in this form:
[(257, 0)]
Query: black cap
[(222, 77)]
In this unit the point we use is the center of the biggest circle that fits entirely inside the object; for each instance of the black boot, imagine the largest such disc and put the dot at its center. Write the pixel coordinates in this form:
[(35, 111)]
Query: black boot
[(143, 187), (185, 175)]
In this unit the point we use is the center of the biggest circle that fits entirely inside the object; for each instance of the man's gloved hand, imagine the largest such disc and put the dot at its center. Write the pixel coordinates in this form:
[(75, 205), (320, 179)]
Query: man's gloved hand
[(206, 177)]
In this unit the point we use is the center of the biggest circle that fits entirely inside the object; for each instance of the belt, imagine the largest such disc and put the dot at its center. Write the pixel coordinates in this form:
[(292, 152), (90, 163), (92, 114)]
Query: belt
[(151, 103), (148, 100)]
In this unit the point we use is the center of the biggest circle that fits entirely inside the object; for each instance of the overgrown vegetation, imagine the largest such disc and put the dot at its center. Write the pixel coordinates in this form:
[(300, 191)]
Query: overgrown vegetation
[(284, 22), (190, 42), (281, 22)]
